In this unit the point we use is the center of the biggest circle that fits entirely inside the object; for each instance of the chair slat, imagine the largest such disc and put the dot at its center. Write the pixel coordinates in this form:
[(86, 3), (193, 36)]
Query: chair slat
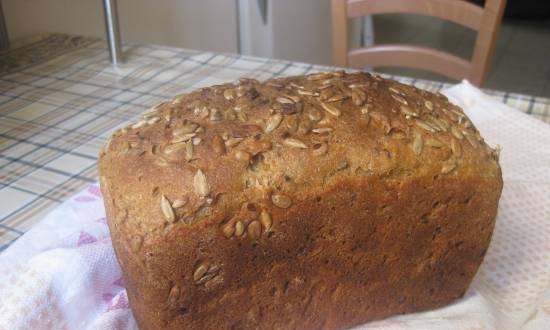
[(458, 11), (410, 56)]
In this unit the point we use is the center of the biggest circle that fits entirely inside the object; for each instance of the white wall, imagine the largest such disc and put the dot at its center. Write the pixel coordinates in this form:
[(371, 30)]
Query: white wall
[(199, 24), (302, 30)]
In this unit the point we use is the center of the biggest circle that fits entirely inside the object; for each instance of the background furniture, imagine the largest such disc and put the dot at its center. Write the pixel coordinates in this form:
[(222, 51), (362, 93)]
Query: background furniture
[(485, 20)]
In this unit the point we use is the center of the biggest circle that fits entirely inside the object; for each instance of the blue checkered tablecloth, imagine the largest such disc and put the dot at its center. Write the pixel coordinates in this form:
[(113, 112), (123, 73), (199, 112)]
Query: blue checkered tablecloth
[(60, 99)]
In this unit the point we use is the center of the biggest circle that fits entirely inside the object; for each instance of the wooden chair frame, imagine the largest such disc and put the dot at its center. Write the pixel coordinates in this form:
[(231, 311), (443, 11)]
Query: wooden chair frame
[(485, 20)]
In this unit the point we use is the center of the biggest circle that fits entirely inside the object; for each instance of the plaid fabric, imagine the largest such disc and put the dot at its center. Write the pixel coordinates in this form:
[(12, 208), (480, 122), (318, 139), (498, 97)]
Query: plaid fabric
[(60, 99)]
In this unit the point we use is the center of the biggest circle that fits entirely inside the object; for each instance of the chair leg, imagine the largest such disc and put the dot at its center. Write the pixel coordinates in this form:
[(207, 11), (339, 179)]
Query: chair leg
[(113, 33)]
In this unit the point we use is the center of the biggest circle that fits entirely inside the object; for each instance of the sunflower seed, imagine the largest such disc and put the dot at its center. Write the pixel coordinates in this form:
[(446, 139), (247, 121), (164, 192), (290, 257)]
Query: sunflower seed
[(167, 209), (265, 219), (382, 119), (396, 90), (434, 143), (254, 229), (314, 114), (150, 113), (178, 99), (366, 109), (295, 143), (495, 153), (326, 84), (185, 129), (215, 115), (210, 275), (408, 111), (153, 120), (139, 124), (292, 123), (456, 111), (284, 100), (320, 149), (359, 85), (448, 167), (304, 127), (160, 161), (294, 98), (201, 112), (218, 145), (201, 185), (274, 84), (399, 99), (248, 80), (183, 138), (471, 140), (319, 76), (229, 94), (456, 133), (231, 142), (228, 230), (241, 91), (174, 295), (327, 121), (230, 114), (295, 85), (358, 97), (456, 149), (241, 106), (281, 201), (337, 98), (440, 124), (417, 144), (242, 116), (179, 202), (429, 105), (273, 122), (174, 147), (200, 272), (189, 150), (308, 93), (320, 130), (239, 228), (242, 156), (425, 126), (333, 110)]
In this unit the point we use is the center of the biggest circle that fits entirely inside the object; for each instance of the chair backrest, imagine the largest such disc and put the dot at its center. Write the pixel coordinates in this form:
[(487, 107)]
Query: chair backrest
[(485, 20)]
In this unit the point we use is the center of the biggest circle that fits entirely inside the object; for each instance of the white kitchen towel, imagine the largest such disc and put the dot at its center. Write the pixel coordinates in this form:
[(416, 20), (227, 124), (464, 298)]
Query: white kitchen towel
[(63, 274)]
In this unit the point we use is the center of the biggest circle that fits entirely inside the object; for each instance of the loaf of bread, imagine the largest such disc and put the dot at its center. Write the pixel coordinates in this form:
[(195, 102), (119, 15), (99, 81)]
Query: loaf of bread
[(310, 202)]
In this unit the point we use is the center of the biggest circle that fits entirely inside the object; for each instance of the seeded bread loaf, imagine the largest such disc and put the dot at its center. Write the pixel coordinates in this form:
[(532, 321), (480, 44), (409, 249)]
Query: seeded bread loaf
[(310, 202)]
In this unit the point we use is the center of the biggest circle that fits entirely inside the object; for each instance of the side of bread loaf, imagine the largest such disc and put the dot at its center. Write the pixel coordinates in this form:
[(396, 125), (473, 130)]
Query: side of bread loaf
[(310, 202)]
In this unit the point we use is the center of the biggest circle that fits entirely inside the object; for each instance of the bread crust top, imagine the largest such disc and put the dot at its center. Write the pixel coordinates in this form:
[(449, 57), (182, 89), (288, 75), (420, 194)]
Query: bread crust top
[(230, 154)]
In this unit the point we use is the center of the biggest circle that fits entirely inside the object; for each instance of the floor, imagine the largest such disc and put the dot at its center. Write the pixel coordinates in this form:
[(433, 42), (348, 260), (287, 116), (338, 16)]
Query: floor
[(522, 58)]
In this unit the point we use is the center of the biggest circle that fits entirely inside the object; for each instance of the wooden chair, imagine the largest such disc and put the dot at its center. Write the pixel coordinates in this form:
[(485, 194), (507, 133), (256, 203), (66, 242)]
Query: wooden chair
[(485, 20)]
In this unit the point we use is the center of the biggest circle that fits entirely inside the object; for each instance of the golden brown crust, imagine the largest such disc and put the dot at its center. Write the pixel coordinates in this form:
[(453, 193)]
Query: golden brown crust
[(308, 202)]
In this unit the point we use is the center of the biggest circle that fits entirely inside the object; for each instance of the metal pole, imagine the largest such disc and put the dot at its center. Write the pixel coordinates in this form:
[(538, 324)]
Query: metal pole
[(4, 39), (239, 28), (113, 33)]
